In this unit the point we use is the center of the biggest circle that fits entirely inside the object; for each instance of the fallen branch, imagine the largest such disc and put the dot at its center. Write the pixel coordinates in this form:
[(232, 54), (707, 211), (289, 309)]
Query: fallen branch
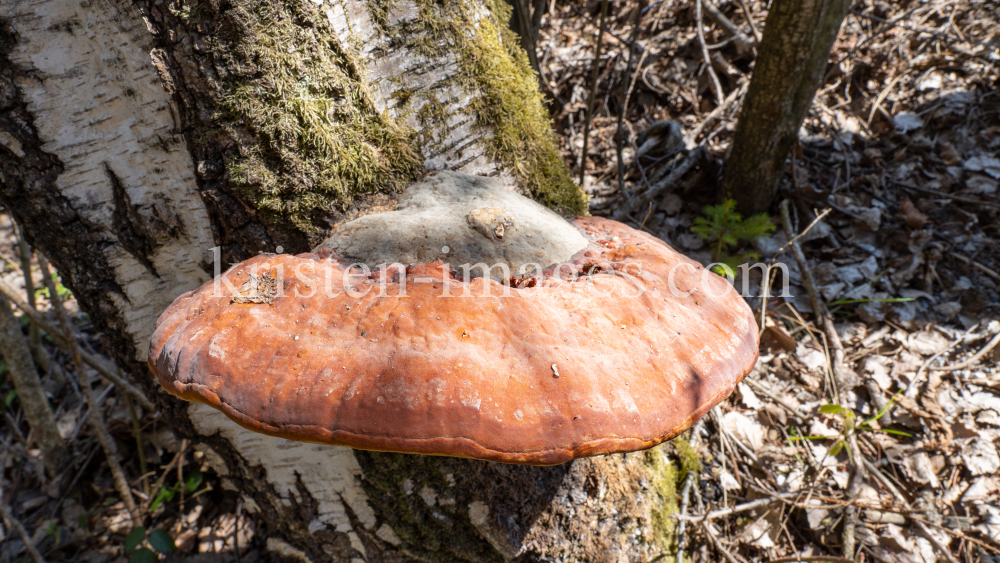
[(16, 351), (743, 43), (686, 161), (841, 375), (686, 493), (593, 91), (60, 339), (12, 522), (96, 420), (972, 361), (716, 85), (734, 509)]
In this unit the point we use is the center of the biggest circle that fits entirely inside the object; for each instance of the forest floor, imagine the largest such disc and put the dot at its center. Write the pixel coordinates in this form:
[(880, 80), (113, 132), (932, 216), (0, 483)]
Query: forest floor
[(897, 159)]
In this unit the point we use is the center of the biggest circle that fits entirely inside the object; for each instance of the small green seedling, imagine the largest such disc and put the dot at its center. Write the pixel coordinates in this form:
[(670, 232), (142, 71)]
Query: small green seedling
[(166, 494), (62, 290), (158, 540), (727, 228), (852, 427), (55, 531)]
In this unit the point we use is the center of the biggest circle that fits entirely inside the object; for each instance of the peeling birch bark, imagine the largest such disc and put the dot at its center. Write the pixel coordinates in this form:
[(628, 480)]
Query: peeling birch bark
[(116, 154)]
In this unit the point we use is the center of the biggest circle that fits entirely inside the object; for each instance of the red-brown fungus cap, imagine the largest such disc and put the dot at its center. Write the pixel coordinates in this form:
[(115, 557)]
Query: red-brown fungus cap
[(621, 347)]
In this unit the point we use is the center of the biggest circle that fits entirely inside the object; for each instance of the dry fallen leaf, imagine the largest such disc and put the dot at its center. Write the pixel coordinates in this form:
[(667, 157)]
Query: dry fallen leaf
[(912, 215)]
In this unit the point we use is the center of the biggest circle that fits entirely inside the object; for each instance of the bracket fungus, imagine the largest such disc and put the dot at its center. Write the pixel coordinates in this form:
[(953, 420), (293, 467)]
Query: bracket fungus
[(469, 321)]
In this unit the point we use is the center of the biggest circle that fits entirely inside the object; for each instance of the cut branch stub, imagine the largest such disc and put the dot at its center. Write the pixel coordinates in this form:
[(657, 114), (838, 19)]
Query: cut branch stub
[(617, 344)]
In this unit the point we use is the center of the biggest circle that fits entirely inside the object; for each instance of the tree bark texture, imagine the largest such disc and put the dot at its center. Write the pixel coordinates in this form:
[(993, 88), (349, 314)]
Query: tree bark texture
[(791, 60), (137, 135)]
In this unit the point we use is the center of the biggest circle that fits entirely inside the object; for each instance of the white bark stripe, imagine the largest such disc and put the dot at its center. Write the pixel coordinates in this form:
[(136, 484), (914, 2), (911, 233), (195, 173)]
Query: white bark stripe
[(97, 101), (98, 105)]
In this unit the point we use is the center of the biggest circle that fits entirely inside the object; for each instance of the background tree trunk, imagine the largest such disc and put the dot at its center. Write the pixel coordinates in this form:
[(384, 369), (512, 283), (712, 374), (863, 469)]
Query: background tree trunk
[(136, 136), (791, 59)]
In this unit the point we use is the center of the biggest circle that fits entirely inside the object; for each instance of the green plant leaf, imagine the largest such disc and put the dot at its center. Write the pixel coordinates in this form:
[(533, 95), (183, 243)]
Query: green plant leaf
[(807, 437), (144, 555), (9, 397), (721, 223), (831, 409), (134, 538), (165, 495), (896, 432), (835, 449), (193, 481), (161, 541)]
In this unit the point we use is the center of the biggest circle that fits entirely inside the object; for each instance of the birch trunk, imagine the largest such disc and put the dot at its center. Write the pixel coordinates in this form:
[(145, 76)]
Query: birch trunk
[(138, 136)]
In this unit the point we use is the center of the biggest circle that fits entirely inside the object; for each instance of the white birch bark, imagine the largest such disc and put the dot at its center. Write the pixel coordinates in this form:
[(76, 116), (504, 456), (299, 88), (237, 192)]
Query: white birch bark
[(97, 104)]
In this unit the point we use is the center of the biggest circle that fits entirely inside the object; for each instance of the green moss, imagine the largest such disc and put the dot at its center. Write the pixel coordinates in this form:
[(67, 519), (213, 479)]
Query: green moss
[(687, 455), (442, 533), (505, 96), (667, 475), (308, 137), (318, 140), (665, 480)]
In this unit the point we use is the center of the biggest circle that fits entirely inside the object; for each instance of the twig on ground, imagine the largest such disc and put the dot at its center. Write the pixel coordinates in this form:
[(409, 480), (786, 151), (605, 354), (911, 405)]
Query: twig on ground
[(716, 543), (626, 90), (717, 418), (787, 405), (699, 25), (913, 388), (841, 375), (902, 500), (812, 558), (743, 42), (749, 16), (137, 433), (15, 350), (692, 136), (686, 493), (593, 90), (733, 509), (60, 339), (766, 283), (96, 419), (857, 478), (166, 471), (686, 162), (11, 522), (975, 358), (981, 267), (963, 199)]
